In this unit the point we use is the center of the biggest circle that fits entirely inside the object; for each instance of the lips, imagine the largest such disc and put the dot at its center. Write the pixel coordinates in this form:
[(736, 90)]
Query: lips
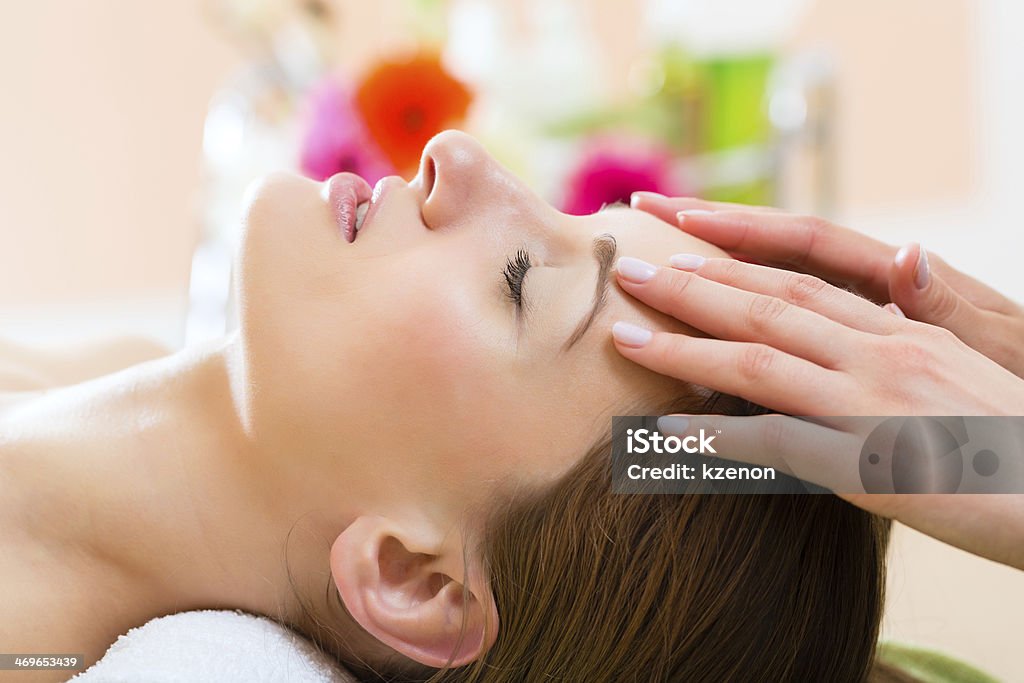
[(345, 193)]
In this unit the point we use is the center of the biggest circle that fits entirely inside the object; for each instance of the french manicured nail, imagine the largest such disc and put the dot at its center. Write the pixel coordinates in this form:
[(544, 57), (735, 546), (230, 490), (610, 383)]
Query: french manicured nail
[(673, 425), (640, 194), (630, 334), (901, 255), (686, 261), (895, 310), (922, 273), (635, 270), (681, 216)]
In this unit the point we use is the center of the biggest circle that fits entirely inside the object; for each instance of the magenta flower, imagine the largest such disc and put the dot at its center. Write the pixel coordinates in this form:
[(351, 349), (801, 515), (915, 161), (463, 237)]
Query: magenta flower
[(611, 170), (335, 138)]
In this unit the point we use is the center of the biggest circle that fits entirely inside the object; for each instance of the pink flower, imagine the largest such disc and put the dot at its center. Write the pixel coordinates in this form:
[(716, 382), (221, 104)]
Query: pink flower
[(610, 170), (336, 139)]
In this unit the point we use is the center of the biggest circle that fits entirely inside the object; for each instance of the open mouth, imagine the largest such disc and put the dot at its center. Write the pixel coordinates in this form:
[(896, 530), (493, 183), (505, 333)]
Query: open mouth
[(349, 197), (361, 214)]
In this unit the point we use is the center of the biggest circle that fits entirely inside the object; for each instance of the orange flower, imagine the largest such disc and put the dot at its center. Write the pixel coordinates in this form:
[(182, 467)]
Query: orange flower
[(405, 103)]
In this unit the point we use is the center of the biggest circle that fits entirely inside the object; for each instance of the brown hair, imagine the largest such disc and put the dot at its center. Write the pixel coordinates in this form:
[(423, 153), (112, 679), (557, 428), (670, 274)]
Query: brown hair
[(594, 586)]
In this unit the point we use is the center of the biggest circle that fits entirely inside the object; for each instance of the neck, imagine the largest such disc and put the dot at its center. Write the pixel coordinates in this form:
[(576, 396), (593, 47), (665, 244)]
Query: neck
[(143, 484)]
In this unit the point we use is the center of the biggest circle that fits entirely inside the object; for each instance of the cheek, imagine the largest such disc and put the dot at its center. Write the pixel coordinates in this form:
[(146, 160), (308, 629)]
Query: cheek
[(437, 348), (436, 383), (415, 345)]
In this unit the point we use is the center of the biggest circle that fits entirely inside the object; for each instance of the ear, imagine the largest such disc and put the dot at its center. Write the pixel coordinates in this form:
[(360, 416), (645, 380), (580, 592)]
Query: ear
[(409, 595)]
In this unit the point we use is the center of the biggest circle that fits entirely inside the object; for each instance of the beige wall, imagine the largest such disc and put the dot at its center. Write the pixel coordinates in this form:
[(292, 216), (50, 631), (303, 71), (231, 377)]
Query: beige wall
[(947, 600), (100, 131), (907, 96)]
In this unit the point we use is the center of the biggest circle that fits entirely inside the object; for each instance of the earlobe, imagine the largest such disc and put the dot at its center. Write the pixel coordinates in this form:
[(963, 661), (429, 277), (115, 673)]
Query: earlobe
[(411, 596)]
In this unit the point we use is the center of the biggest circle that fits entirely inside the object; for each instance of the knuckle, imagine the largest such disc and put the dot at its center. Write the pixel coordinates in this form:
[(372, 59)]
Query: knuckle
[(755, 362), (909, 354), (676, 284), (816, 225), (802, 289), (808, 233), (945, 306), (727, 270), (938, 334), (775, 437), (763, 310), (663, 351)]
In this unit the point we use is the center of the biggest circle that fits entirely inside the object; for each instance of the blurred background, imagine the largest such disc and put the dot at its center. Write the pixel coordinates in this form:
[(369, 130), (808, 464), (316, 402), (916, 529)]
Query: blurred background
[(130, 130)]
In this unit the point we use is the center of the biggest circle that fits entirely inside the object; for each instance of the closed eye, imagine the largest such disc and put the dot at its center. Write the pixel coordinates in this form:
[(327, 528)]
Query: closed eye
[(515, 273)]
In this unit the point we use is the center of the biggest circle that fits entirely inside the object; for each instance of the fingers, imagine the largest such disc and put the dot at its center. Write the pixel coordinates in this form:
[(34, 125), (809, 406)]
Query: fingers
[(756, 372), (911, 278), (732, 313), (924, 295), (926, 298), (666, 208), (798, 289), (978, 293), (804, 243), (808, 244), (820, 455)]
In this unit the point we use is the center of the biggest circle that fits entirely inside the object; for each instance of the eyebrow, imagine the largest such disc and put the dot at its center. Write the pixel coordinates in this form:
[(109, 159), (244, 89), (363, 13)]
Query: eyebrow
[(604, 252)]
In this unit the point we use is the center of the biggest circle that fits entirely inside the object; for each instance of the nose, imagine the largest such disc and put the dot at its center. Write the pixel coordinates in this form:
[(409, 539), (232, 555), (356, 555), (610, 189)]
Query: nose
[(459, 178)]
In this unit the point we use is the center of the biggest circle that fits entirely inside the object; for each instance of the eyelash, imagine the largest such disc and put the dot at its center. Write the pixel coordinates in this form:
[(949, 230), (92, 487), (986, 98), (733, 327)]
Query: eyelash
[(515, 273)]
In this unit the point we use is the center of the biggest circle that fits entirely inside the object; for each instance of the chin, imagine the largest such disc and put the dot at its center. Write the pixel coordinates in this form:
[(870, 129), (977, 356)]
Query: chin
[(289, 250)]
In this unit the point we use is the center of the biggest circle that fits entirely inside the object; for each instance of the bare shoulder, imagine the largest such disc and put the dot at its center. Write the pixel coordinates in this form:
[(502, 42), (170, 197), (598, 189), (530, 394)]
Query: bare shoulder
[(27, 368), (46, 613)]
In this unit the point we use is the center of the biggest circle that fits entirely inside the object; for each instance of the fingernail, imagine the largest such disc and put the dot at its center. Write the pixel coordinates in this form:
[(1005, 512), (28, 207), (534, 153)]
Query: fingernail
[(895, 310), (635, 270), (922, 273), (902, 254), (639, 194), (630, 334), (673, 425), (692, 212), (686, 261)]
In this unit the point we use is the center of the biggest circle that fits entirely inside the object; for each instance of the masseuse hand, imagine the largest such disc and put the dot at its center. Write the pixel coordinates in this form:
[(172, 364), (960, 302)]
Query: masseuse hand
[(796, 344), (921, 284)]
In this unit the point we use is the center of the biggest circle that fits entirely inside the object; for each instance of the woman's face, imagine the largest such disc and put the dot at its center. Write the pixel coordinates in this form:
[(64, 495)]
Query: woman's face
[(402, 357)]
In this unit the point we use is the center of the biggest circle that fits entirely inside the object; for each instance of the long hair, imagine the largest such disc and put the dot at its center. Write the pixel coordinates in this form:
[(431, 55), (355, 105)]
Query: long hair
[(593, 586)]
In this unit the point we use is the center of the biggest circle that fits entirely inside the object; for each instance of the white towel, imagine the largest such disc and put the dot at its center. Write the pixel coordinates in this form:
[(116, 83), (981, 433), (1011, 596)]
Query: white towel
[(213, 646)]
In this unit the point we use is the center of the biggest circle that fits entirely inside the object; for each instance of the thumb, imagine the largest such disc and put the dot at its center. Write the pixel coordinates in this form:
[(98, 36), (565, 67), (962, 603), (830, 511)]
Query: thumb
[(925, 297)]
